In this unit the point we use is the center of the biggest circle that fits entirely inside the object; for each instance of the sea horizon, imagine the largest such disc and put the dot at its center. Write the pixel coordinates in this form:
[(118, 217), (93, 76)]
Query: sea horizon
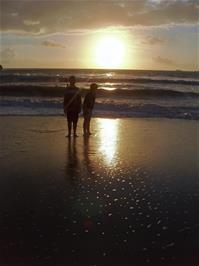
[(99, 69)]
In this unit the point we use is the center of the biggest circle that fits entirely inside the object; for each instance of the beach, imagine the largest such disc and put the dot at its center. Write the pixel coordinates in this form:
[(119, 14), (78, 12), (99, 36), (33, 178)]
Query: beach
[(127, 195)]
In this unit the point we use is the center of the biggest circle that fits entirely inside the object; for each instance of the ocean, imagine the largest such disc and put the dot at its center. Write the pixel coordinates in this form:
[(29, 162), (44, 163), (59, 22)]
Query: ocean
[(121, 93)]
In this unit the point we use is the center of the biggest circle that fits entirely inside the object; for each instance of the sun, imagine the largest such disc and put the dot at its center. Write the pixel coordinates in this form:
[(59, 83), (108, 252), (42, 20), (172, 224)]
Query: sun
[(109, 52)]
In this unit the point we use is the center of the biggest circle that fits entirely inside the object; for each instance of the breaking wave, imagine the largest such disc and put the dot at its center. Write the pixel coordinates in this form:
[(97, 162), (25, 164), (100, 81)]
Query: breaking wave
[(103, 108)]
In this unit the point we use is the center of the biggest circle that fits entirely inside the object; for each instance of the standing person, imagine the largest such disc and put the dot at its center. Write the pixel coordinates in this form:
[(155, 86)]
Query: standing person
[(88, 105), (72, 105)]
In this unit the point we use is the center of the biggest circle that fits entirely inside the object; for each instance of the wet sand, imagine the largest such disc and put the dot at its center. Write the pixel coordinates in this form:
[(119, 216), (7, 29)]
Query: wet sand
[(128, 195)]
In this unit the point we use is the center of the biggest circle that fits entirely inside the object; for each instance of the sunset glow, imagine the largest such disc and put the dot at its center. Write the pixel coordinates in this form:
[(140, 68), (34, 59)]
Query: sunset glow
[(109, 52), (155, 35)]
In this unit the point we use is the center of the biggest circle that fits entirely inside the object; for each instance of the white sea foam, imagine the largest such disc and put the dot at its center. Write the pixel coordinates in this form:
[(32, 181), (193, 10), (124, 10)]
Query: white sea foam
[(103, 108)]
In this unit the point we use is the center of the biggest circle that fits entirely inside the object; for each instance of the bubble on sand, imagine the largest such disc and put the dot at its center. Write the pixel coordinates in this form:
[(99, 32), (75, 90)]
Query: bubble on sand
[(170, 244)]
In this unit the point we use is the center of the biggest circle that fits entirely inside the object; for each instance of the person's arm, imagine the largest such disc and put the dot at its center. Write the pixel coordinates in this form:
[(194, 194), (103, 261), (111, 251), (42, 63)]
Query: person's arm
[(85, 101), (79, 102), (92, 102), (67, 99)]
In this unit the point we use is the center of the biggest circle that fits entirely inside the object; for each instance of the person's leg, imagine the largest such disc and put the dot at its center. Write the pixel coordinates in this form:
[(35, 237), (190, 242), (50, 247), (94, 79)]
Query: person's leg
[(69, 124), (74, 129), (88, 121), (88, 126), (84, 125)]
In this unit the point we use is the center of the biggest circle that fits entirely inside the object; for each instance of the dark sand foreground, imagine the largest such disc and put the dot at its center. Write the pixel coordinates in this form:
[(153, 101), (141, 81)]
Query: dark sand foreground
[(128, 195)]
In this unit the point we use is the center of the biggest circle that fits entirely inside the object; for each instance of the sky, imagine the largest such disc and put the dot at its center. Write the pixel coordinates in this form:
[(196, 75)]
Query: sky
[(136, 34)]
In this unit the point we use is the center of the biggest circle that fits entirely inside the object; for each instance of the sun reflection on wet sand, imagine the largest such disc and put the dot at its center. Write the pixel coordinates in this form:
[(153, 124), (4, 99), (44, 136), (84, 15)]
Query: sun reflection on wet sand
[(118, 193), (108, 129)]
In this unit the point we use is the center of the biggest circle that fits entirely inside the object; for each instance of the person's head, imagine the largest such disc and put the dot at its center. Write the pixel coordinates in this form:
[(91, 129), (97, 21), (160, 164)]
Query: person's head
[(72, 80), (93, 87)]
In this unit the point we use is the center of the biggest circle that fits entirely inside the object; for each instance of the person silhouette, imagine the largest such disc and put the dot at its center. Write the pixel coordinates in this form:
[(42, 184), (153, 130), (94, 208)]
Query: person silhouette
[(72, 105), (88, 105)]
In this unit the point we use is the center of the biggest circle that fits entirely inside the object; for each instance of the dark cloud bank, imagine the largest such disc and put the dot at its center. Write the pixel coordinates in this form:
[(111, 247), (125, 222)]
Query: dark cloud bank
[(42, 17)]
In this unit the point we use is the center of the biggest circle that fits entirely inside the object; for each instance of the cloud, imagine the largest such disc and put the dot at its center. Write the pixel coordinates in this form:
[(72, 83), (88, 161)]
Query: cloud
[(152, 40), (30, 22), (52, 44), (7, 55), (43, 17), (163, 61)]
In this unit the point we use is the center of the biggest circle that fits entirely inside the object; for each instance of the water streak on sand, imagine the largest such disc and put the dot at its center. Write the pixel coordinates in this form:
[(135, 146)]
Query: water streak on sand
[(108, 133)]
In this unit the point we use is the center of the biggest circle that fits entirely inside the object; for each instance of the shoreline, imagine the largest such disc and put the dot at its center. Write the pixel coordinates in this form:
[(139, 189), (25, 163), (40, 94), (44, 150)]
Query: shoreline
[(104, 117)]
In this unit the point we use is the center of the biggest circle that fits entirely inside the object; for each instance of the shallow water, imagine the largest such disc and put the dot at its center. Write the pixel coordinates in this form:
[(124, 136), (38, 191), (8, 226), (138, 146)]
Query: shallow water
[(128, 194)]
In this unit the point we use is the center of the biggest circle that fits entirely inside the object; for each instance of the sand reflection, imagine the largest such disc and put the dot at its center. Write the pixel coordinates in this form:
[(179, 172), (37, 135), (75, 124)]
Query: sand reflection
[(108, 129)]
